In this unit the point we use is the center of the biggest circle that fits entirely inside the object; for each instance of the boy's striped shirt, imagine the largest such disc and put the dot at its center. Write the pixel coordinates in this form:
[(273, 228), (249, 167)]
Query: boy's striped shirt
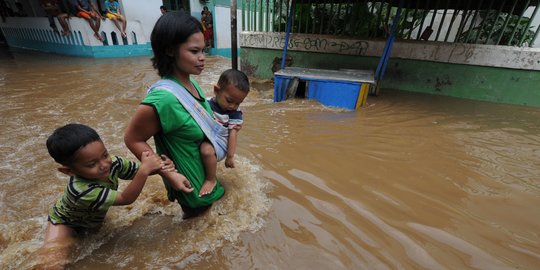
[(85, 203)]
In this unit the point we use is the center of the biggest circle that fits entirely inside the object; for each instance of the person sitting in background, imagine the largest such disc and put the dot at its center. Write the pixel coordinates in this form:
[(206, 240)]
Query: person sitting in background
[(53, 9), (163, 9), (5, 10), (88, 11), (20, 10), (112, 8)]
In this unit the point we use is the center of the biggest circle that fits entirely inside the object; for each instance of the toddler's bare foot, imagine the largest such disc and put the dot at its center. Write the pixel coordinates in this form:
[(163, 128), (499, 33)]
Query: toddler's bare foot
[(207, 187)]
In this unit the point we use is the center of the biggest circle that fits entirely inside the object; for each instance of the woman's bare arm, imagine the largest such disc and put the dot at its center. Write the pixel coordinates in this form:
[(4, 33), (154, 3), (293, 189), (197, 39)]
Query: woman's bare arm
[(143, 125)]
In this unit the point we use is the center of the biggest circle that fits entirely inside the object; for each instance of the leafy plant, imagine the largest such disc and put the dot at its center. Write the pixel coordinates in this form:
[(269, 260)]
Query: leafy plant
[(357, 19), (493, 27), (408, 21)]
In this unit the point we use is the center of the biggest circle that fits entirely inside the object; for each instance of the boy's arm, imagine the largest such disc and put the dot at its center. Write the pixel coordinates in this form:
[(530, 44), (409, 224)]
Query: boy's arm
[(231, 148), (150, 163)]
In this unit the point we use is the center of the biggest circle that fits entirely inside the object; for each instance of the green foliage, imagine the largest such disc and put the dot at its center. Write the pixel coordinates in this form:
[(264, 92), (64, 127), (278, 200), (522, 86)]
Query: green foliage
[(364, 19), (408, 20), (493, 27), (358, 19)]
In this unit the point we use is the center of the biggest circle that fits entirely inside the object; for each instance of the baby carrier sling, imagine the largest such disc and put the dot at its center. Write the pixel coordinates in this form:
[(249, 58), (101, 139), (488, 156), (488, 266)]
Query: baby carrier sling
[(215, 132)]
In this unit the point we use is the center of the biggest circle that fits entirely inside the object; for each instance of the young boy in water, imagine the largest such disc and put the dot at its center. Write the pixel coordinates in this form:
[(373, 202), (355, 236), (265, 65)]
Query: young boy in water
[(231, 90), (93, 180)]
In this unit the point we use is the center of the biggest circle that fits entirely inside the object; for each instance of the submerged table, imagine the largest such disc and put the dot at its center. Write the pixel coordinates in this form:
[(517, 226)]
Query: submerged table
[(338, 88)]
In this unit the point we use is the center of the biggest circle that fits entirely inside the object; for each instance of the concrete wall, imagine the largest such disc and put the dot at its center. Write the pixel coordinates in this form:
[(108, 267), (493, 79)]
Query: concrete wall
[(144, 13), (490, 73), (34, 32), (141, 17), (457, 53), (30, 25), (222, 29)]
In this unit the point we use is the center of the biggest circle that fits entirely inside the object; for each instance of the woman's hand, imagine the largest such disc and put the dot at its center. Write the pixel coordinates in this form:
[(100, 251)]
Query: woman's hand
[(168, 165), (179, 182)]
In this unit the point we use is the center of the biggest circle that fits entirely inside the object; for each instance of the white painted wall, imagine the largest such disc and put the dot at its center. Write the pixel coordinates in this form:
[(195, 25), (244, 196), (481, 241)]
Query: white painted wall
[(141, 17), (79, 25), (197, 7), (444, 52), (535, 23), (144, 13), (445, 25), (222, 27)]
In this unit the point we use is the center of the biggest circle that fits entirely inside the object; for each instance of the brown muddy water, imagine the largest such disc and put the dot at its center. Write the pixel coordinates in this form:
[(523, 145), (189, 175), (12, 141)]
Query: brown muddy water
[(408, 182)]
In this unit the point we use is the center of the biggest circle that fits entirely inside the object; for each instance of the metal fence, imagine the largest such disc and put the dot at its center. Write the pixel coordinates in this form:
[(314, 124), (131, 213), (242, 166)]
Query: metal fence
[(495, 22)]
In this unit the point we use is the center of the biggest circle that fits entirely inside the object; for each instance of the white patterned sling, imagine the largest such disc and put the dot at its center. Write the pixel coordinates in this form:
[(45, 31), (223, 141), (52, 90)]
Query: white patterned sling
[(214, 131)]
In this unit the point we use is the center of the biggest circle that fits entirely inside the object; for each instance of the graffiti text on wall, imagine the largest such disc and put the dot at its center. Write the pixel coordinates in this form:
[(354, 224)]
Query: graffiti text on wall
[(305, 43)]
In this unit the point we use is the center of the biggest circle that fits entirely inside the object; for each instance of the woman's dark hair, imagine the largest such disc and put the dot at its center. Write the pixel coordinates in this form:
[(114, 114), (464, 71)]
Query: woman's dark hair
[(67, 140), (171, 30)]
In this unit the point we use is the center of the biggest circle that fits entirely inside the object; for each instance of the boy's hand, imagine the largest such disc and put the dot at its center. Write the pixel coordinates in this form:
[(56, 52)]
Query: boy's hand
[(168, 165), (150, 163), (229, 162), (237, 127)]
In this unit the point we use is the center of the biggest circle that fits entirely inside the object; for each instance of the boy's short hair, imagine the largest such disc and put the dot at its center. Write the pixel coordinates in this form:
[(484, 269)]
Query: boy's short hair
[(234, 77), (171, 30), (65, 141)]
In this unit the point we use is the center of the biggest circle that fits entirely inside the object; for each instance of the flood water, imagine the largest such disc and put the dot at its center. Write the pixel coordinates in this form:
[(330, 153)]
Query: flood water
[(409, 181)]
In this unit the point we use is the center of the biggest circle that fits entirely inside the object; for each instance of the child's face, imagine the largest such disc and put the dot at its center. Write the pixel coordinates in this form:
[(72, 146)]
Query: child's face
[(91, 162), (229, 97), (190, 55)]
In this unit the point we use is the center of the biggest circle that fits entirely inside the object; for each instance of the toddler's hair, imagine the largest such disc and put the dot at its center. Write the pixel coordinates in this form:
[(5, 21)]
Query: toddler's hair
[(65, 141), (234, 77)]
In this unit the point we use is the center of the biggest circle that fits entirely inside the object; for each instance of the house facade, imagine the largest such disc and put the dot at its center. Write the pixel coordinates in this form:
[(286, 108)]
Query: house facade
[(489, 53)]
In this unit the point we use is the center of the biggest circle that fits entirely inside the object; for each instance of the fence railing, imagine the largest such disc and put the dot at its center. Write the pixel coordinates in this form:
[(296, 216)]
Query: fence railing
[(37, 29), (494, 22)]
